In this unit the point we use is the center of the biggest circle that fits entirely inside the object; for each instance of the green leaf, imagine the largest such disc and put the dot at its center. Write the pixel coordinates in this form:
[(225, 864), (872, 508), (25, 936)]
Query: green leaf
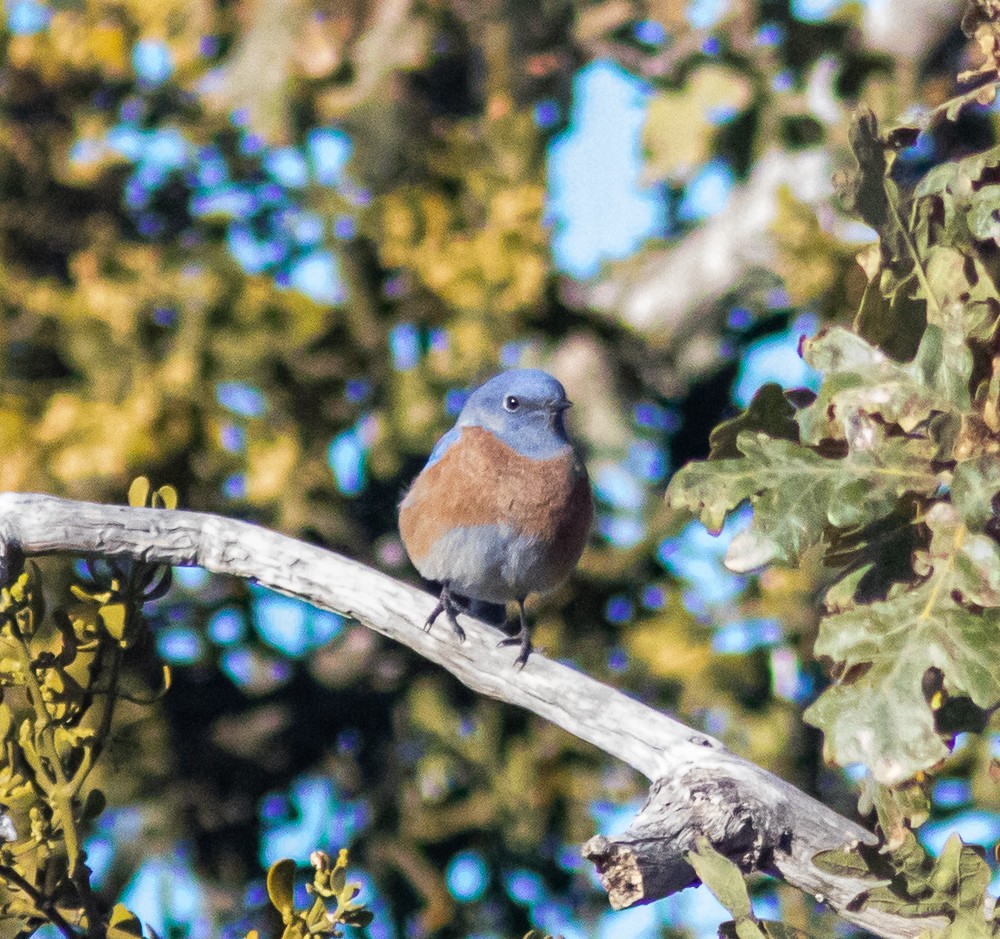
[(906, 881), (961, 283), (944, 360), (973, 488), (984, 214), (722, 877), (893, 323), (877, 712), (797, 492), (765, 929), (770, 412), (859, 378), (969, 925), (281, 885), (862, 190), (899, 808), (957, 176), (748, 929), (123, 924), (964, 208), (775, 930), (962, 873), (852, 864)]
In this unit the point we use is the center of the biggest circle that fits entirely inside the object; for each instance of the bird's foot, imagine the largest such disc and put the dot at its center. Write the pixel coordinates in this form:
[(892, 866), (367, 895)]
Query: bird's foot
[(526, 648), (447, 604), (524, 641)]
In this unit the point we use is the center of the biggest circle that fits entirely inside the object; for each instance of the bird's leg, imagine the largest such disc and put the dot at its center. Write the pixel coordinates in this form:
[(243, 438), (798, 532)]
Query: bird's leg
[(450, 604), (522, 639)]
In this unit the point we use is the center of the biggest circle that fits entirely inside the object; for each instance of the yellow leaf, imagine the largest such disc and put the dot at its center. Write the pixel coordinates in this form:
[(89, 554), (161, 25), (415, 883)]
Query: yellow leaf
[(113, 615), (138, 492), (167, 497), (281, 884), (124, 924)]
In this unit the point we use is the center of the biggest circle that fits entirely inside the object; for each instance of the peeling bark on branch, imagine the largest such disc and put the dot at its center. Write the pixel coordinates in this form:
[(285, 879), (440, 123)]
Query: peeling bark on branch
[(700, 788)]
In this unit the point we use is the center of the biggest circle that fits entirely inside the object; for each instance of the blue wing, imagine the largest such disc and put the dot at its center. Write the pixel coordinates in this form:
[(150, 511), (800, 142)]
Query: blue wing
[(442, 445)]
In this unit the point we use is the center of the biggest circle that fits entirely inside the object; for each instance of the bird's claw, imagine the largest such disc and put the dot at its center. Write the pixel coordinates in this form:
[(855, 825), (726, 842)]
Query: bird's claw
[(526, 649), (454, 625), (447, 606)]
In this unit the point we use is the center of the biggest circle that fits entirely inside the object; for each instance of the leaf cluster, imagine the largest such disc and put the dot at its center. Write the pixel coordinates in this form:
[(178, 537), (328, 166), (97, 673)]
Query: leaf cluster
[(907, 882), (904, 882), (333, 904), (889, 472)]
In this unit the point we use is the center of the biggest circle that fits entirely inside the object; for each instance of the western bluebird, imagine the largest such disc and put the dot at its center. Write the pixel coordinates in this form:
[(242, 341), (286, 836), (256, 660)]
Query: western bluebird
[(503, 507)]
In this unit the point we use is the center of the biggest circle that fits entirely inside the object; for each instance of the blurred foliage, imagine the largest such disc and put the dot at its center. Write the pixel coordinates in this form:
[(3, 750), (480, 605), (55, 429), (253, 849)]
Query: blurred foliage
[(260, 248)]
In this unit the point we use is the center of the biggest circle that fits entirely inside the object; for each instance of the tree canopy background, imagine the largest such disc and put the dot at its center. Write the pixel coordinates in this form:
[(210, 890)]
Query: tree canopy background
[(261, 250)]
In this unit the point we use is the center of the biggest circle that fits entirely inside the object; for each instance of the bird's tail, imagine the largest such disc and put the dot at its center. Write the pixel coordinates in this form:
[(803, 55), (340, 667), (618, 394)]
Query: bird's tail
[(493, 613)]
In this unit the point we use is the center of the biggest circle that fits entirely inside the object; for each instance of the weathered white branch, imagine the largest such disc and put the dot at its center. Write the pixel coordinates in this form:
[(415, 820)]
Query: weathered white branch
[(700, 788), (664, 293)]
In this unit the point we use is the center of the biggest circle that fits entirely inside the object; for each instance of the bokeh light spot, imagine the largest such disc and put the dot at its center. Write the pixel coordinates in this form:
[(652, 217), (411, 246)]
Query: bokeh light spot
[(241, 399), (467, 876), (601, 210), (152, 61), (227, 626)]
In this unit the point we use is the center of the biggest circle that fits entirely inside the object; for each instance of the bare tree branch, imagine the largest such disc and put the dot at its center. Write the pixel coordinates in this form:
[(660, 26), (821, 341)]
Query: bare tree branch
[(700, 788), (663, 293)]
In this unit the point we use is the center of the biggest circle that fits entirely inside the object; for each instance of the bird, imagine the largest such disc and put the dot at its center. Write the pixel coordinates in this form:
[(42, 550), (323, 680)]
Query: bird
[(503, 507)]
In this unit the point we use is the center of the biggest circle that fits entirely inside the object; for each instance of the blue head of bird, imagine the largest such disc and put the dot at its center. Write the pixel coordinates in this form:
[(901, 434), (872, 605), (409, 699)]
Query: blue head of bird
[(524, 408)]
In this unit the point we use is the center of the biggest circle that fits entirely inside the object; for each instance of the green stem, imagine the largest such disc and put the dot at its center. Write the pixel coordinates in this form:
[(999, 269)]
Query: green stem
[(104, 728), (58, 790), (912, 249), (960, 101)]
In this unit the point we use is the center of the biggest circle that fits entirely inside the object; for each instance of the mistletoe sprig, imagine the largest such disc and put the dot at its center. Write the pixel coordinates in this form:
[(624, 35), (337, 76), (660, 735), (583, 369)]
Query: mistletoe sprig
[(61, 674), (333, 905)]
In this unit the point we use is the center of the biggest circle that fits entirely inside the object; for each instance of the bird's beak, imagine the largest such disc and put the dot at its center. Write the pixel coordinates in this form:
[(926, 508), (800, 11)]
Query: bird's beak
[(561, 406)]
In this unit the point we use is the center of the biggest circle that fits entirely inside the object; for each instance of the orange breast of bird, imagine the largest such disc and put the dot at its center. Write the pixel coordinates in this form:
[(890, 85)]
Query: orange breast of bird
[(481, 481)]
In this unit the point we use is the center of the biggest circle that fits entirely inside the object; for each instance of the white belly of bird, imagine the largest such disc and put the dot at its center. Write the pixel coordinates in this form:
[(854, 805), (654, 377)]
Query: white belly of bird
[(489, 562)]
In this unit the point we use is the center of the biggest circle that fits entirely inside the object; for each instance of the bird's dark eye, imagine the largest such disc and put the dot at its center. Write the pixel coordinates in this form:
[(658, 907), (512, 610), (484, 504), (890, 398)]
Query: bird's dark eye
[(510, 403)]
